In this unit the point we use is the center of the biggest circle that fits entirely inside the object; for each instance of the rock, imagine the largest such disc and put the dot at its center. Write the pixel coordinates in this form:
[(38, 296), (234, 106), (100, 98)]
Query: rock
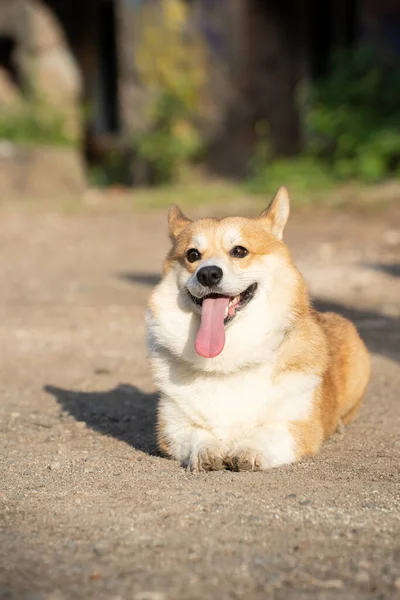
[(330, 584), (99, 549), (101, 371), (58, 77), (362, 577), (41, 172), (149, 596), (54, 465), (56, 595), (9, 92), (45, 30), (333, 584), (305, 502)]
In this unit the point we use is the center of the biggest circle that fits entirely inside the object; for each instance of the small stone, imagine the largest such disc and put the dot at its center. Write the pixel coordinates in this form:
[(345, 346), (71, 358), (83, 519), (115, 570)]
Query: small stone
[(54, 465), (149, 596), (95, 575), (81, 424), (290, 496), (305, 502), (362, 577), (99, 549), (330, 584), (15, 415), (334, 584), (56, 595), (397, 583), (102, 371)]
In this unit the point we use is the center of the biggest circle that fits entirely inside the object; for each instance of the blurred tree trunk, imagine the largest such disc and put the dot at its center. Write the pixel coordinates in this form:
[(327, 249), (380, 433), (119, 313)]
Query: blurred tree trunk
[(277, 35), (271, 60)]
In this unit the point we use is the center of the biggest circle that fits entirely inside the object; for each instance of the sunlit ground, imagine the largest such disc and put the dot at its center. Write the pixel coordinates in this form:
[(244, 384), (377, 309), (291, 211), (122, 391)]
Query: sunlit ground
[(213, 196)]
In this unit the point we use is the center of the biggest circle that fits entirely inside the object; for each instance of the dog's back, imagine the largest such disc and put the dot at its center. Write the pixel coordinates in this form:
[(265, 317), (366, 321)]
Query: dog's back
[(349, 371)]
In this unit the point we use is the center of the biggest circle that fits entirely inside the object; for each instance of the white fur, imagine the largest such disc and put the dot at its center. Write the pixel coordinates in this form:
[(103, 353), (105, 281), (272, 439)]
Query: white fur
[(234, 402), (199, 242), (232, 236)]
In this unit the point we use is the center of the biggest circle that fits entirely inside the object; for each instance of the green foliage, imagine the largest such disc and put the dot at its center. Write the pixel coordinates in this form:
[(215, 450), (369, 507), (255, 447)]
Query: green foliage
[(171, 142), (352, 127), (300, 174), (354, 119), (171, 62), (33, 122), (113, 170)]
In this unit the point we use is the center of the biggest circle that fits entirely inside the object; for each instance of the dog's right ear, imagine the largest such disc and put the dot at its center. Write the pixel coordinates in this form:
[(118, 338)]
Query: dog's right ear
[(176, 221)]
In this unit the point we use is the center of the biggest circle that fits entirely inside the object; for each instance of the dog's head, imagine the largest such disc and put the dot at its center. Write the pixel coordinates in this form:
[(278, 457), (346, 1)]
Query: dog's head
[(230, 271)]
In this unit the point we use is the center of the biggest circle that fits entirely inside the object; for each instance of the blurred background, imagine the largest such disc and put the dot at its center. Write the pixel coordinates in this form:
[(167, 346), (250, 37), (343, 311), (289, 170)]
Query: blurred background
[(115, 94), (109, 111)]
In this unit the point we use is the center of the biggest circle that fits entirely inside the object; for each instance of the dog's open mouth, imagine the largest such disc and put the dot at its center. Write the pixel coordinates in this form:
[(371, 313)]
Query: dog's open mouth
[(234, 305), (216, 311)]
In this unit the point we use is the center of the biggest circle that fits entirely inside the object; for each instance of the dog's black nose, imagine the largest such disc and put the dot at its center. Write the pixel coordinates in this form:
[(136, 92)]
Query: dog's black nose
[(209, 276)]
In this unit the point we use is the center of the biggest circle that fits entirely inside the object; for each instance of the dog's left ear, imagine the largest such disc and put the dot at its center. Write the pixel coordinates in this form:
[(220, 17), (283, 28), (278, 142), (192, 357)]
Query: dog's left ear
[(176, 221), (277, 212)]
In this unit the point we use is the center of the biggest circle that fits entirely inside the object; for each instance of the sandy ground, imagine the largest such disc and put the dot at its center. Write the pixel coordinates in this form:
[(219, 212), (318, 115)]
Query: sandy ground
[(88, 509)]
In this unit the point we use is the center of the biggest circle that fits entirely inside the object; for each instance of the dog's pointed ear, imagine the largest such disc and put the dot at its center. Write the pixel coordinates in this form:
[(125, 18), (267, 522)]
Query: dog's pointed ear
[(277, 212), (176, 221)]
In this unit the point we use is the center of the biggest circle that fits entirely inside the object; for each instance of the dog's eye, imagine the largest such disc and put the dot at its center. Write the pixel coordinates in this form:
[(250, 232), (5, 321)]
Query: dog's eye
[(239, 252), (193, 255)]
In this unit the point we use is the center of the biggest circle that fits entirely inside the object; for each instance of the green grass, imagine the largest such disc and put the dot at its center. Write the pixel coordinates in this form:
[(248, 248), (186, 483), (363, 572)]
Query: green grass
[(34, 123)]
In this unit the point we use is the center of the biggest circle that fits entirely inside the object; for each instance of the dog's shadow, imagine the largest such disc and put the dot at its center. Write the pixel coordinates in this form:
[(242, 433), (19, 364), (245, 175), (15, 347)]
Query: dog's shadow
[(125, 412)]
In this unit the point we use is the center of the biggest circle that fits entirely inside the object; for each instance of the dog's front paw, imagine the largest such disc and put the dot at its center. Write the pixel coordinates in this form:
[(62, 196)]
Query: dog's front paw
[(246, 459), (209, 458)]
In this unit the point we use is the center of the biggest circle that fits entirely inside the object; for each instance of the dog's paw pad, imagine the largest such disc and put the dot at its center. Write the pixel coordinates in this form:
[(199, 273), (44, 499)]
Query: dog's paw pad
[(207, 459), (246, 459)]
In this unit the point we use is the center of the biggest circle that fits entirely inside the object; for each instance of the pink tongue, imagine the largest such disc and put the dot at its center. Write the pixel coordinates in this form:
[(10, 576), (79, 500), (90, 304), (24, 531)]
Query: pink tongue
[(210, 339)]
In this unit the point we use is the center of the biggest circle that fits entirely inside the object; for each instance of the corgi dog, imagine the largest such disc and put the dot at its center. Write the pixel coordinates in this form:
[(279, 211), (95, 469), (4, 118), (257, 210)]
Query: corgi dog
[(250, 375)]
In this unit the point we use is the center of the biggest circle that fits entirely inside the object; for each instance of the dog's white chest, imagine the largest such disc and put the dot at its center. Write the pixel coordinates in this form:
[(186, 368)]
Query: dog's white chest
[(231, 405)]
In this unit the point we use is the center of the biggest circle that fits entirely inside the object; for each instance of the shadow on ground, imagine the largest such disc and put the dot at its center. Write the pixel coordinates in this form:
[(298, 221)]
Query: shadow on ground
[(147, 279), (380, 332), (392, 269), (125, 412)]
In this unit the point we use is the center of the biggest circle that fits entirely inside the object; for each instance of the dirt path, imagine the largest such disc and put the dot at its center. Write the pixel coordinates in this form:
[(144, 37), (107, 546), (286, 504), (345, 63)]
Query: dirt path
[(88, 510)]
